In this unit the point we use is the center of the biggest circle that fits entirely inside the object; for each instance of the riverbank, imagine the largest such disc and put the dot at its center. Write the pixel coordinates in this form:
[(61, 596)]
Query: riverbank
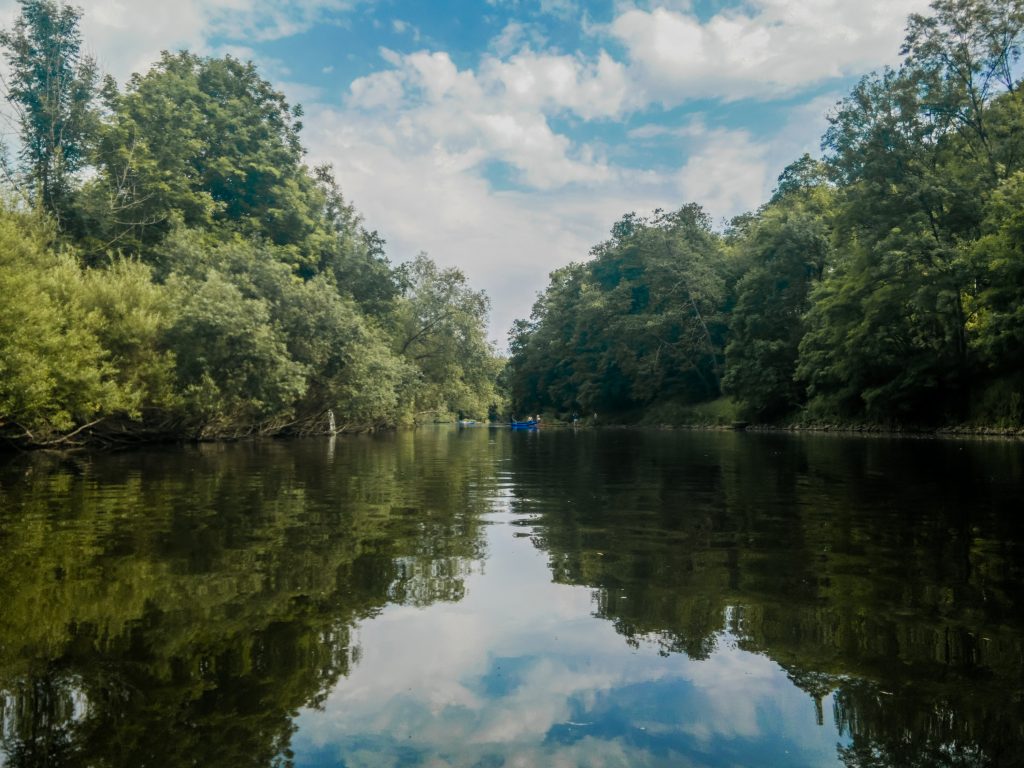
[(724, 414)]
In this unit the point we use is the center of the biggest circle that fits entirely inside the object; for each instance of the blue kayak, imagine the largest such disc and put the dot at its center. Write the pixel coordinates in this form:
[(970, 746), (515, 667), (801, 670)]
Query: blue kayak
[(531, 424)]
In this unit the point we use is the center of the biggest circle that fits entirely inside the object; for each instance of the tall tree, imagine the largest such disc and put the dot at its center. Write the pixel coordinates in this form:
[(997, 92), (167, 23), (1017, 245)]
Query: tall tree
[(964, 53), (211, 143), (52, 86), (545, 351), (643, 321), (998, 257), (439, 328), (666, 275), (887, 333), (351, 254), (785, 250)]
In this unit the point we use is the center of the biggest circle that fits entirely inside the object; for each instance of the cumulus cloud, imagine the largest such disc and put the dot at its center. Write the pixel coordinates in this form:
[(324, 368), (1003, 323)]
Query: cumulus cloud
[(727, 172), (127, 36), (498, 113), (428, 192), (527, 80), (761, 49)]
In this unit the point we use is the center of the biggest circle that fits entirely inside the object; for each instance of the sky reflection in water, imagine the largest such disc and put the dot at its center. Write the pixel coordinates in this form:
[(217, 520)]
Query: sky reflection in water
[(521, 673), (488, 598)]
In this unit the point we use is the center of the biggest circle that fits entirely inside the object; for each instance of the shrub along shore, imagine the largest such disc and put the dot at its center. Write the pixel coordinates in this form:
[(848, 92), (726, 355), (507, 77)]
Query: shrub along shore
[(170, 268)]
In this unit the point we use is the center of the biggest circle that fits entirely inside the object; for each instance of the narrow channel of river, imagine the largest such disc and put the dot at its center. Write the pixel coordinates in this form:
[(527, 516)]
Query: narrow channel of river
[(481, 597)]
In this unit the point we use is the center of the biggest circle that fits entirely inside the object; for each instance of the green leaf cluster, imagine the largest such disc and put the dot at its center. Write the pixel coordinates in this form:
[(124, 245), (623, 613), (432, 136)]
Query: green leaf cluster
[(644, 319), (172, 267), (880, 283)]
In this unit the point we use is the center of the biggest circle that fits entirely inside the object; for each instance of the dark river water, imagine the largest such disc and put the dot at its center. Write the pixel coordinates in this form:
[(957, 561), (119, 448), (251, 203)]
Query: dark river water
[(481, 597)]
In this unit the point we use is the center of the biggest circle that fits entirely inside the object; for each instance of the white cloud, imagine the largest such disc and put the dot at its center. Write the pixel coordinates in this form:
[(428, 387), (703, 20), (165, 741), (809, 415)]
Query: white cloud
[(516, 36), (762, 49), (127, 36), (414, 143), (405, 28), (727, 172), (419, 175), (436, 129), (424, 195), (498, 114), (551, 83), (563, 9), (554, 83), (382, 90)]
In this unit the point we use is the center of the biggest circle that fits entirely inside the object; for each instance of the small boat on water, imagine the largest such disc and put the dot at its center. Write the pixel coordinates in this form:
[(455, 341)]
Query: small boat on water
[(531, 424)]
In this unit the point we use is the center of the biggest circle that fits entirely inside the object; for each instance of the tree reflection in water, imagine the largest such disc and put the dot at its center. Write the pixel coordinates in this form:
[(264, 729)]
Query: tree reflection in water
[(180, 606), (887, 572)]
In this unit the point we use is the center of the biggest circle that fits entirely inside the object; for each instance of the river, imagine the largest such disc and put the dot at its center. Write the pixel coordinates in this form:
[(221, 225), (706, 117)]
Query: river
[(482, 597)]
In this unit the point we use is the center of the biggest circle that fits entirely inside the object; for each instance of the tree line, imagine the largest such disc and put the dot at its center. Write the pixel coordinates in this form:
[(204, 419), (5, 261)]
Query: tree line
[(170, 266), (883, 282)]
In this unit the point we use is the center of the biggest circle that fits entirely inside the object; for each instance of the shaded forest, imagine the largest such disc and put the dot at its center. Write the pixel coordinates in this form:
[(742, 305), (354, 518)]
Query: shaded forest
[(883, 283), (171, 267)]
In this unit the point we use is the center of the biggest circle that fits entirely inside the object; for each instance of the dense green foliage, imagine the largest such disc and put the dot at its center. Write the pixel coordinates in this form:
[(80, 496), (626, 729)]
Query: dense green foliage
[(883, 283), (169, 266), (644, 319)]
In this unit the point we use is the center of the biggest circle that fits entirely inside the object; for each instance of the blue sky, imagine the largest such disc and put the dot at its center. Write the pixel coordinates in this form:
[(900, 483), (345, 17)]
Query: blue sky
[(505, 137)]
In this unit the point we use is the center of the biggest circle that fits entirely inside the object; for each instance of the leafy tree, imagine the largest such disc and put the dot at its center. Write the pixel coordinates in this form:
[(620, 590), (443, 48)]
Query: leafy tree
[(998, 256), (55, 373), (668, 272), (887, 332), (233, 365), (52, 85), (249, 296), (132, 315), (643, 320), (786, 247), (544, 351), (962, 54), (439, 329), (206, 142), (353, 256), (345, 361), (351, 367)]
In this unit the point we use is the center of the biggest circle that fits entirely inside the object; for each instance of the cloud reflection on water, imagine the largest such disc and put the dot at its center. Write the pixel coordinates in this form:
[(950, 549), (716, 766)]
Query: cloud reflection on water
[(520, 672)]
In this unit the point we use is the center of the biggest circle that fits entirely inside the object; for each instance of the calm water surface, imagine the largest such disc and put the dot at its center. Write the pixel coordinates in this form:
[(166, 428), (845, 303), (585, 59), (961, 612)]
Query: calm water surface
[(480, 597)]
